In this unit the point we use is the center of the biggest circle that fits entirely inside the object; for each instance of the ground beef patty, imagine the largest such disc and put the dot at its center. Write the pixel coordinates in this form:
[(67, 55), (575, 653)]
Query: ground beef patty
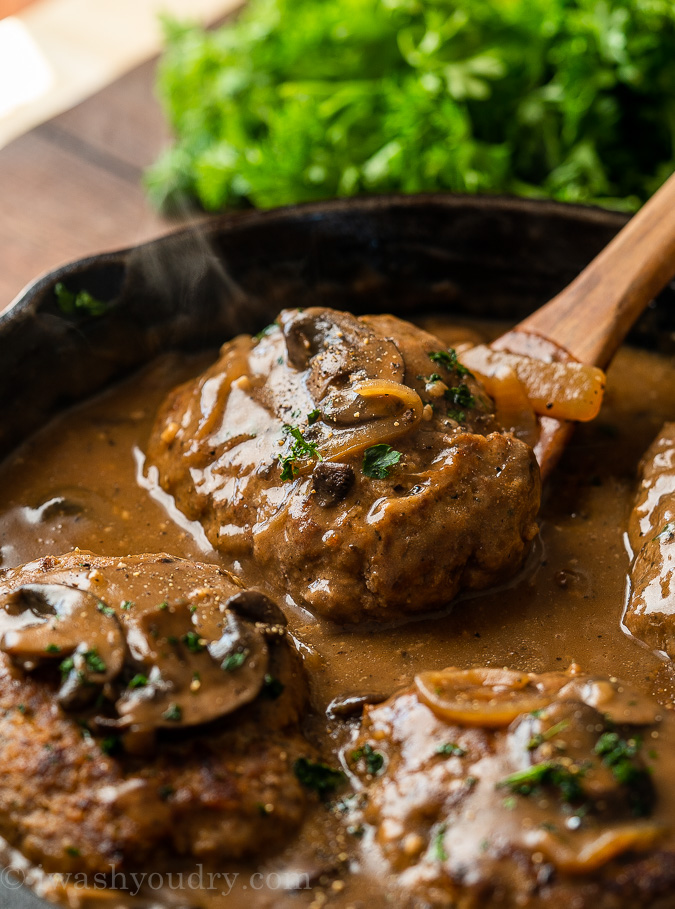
[(148, 706), (650, 611), (488, 787), (354, 461)]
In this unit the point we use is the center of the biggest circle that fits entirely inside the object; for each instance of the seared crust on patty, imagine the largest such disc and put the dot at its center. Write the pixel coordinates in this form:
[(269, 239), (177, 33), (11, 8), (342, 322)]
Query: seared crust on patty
[(72, 797)]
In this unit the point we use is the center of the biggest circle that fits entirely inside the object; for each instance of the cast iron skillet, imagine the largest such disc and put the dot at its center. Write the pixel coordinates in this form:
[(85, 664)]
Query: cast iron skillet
[(404, 254)]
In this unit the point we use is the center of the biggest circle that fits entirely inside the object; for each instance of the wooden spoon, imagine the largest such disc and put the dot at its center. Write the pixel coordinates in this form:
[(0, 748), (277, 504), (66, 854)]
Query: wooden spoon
[(589, 319)]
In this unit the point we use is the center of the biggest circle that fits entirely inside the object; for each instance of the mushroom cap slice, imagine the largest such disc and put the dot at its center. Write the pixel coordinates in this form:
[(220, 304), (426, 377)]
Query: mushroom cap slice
[(187, 680), (335, 347), (41, 623), (254, 606)]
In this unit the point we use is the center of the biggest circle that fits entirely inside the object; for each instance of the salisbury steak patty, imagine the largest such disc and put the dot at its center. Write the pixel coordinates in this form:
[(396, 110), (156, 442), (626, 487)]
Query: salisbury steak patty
[(147, 705), (353, 460), (650, 612), (488, 787)]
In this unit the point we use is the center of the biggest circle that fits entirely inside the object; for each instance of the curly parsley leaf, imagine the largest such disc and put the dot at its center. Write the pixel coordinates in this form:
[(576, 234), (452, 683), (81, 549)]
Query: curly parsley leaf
[(460, 395), (547, 773), (82, 301), (448, 359), (298, 101), (235, 660), (378, 460), (373, 760), (301, 449), (317, 776)]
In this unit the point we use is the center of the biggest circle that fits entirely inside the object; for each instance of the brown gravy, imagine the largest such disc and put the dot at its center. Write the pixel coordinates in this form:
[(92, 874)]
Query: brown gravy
[(81, 482)]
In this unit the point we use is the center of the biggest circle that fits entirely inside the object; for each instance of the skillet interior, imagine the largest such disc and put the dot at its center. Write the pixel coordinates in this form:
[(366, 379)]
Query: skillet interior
[(482, 256)]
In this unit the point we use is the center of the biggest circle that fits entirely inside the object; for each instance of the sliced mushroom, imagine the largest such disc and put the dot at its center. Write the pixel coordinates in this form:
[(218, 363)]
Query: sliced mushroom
[(332, 482), (42, 623), (336, 347), (186, 680), (351, 705), (255, 606)]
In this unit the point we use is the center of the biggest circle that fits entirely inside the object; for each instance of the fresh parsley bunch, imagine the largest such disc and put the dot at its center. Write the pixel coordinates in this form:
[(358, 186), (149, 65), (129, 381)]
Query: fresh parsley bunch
[(301, 100)]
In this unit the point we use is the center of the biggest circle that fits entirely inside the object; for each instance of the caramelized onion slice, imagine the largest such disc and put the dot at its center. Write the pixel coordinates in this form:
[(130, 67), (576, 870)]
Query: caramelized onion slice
[(215, 390), (584, 853), (513, 410), (405, 412), (403, 408), (565, 391), (485, 697)]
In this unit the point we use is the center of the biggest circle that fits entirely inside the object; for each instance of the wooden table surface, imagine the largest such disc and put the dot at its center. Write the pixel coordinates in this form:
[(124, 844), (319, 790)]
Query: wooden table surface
[(72, 186)]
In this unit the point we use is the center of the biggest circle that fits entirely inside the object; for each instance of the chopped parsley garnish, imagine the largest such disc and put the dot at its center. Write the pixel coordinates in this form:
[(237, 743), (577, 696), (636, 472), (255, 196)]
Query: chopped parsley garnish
[(93, 661), (439, 845), (194, 642), (460, 395), (106, 610), (429, 380), (67, 665), (448, 358), (126, 605), (373, 760), (451, 748), (234, 660), (288, 469), (163, 605), (174, 713), (272, 687), (313, 416), (667, 533), (85, 731), (138, 681), (542, 737), (378, 460), (620, 755), (73, 850), (111, 744), (319, 777), (82, 301), (267, 330), (52, 648), (301, 449), (546, 773)]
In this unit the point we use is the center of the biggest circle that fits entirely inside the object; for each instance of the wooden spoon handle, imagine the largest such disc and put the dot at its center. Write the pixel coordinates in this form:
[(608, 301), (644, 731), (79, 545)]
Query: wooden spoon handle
[(592, 316)]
